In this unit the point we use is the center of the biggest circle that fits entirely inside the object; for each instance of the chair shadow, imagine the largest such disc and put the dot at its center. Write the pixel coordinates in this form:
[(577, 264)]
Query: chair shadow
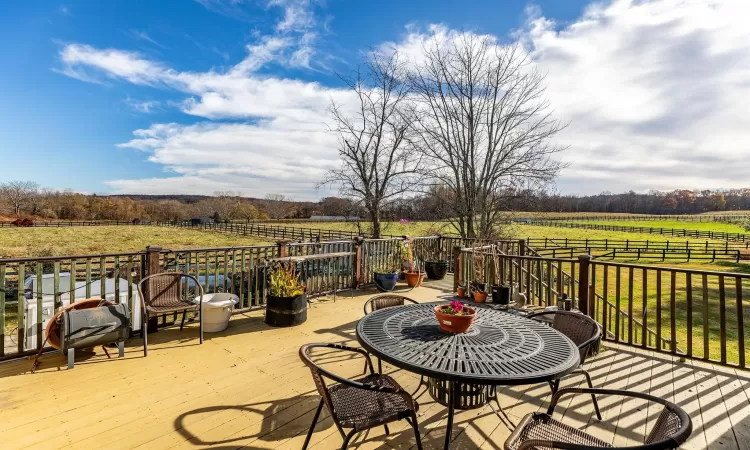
[(271, 428)]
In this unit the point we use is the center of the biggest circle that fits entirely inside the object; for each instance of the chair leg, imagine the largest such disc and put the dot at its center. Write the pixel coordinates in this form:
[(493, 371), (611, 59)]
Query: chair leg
[(144, 332), (387, 432), (415, 426), (182, 323), (593, 397), (346, 439), (419, 386), (312, 427), (200, 319), (380, 366)]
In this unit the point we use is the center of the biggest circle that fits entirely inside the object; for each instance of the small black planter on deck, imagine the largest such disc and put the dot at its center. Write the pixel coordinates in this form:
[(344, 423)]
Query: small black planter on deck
[(436, 270), (286, 311), (500, 294)]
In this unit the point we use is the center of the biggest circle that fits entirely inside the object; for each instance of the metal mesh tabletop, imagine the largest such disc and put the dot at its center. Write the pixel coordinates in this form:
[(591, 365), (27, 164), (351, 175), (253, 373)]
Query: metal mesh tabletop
[(499, 348)]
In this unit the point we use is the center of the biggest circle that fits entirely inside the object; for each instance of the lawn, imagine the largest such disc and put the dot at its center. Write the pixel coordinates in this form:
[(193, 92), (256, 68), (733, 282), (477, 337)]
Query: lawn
[(20, 242), (676, 224)]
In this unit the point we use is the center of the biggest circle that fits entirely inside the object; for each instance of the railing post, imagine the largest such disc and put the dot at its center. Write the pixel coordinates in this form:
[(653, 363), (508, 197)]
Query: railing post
[(153, 266), (583, 283), (457, 267), (358, 262), (282, 248), (522, 247)]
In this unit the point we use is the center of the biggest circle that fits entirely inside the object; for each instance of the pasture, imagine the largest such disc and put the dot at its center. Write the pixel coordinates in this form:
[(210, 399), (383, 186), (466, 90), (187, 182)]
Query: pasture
[(29, 242), (676, 224)]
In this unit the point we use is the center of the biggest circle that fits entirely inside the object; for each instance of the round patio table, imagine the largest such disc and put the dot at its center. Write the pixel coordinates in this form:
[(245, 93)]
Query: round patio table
[(499, 349)]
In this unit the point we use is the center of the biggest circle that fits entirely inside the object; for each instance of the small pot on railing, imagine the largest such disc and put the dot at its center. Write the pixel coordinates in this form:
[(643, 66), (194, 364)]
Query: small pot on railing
[(436, 270)]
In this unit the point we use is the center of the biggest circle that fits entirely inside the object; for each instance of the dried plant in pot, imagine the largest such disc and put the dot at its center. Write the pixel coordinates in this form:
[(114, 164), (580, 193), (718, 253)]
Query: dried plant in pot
[(412, 275), (455, 317), (286, 302)]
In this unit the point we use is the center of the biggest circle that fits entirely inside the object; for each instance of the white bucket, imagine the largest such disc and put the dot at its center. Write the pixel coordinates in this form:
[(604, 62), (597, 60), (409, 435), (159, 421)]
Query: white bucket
[(217, 309)]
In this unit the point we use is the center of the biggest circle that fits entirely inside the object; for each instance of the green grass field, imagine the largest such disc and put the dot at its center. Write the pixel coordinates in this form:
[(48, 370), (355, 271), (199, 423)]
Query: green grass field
[(676, 224), (20, 242)]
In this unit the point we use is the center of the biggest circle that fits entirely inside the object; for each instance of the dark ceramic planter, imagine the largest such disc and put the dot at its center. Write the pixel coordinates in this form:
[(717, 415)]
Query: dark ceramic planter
[(385, 282), (436, 270)]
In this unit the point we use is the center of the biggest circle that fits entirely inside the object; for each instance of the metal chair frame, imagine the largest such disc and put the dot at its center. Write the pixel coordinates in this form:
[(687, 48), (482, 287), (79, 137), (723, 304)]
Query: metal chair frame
[(584, 349)]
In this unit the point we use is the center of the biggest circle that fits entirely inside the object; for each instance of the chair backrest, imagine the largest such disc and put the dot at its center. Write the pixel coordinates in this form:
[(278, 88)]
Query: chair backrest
[(386, 301), (673, 423), (161, 289), (578, 327)]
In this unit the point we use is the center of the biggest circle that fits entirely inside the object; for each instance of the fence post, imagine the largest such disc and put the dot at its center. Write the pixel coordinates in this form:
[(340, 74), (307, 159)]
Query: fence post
[(153, 266), (522, 247), (457, 267), (583, 283)]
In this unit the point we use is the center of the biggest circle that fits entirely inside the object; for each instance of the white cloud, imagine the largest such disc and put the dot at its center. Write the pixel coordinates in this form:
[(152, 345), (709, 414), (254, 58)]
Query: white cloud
[(147, 106), (651, 89), (279, 155)]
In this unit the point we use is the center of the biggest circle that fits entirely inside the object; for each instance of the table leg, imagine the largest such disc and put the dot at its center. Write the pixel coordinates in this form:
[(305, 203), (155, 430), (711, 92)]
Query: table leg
[(451, 402)]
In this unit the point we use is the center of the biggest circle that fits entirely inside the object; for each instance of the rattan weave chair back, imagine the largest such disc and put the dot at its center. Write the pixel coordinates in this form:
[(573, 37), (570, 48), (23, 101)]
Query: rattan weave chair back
[(578, 327), (386, 300), (163, 290), (668, 424)]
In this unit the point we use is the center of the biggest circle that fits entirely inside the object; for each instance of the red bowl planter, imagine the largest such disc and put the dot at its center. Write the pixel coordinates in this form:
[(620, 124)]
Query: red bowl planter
[(455, 324)]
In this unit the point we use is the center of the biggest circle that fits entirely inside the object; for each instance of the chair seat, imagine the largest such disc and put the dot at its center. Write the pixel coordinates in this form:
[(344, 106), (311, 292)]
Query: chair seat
[(541, 427), (361, 409), (172, 306)]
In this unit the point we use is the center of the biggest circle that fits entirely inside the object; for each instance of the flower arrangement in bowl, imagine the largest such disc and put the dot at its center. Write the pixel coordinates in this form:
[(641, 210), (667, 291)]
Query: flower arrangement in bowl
[(455, 317)]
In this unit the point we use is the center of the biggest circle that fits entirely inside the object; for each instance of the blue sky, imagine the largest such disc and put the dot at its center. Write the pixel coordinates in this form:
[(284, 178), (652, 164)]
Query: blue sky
[(195, 96)]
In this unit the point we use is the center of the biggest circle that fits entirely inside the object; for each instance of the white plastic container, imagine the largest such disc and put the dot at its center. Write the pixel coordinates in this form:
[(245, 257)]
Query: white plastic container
[(217, 309)]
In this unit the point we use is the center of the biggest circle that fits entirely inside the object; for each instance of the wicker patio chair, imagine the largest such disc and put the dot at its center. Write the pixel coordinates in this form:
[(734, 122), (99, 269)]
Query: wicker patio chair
[(584, 332), (360, 404), (165, 293), (387, 300), (538, 431)]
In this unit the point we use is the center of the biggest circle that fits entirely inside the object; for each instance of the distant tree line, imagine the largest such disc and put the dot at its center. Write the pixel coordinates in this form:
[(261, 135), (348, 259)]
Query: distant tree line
[(681, 201)]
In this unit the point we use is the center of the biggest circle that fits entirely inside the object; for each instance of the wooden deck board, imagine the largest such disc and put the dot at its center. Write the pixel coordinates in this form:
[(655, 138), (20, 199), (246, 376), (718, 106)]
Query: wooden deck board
[(247, 388)]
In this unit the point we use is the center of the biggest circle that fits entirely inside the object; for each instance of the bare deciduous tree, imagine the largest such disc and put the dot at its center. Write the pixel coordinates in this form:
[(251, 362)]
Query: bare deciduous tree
[(19, 193), (484, 125), (374, 137)]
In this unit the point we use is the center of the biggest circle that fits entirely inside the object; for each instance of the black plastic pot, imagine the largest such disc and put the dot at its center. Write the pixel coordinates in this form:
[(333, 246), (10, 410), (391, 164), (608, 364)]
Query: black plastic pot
[(501, 294), (286, 311), (385, 282), (436, 270)]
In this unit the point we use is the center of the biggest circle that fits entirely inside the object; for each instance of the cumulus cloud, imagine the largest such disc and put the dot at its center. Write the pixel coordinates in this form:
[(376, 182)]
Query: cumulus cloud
[(653, 90)]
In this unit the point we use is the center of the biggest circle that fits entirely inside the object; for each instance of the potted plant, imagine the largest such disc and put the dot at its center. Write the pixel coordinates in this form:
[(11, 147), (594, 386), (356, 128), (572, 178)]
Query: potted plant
[(435, 267), (286, 302), (478, 291), (413, 277), (501, 294), (385, 277), (461, 290), (455, 317)]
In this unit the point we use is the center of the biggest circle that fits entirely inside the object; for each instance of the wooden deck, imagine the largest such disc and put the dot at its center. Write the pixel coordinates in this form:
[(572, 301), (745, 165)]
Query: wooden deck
[(247, 388)]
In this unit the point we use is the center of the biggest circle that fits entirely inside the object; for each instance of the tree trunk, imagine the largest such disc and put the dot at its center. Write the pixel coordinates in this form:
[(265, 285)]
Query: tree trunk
[(375, 219)]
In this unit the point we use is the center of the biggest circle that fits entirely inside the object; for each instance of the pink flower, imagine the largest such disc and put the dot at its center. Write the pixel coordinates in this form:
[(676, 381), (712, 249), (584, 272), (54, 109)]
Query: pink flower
[(457, 306), (404, 221)]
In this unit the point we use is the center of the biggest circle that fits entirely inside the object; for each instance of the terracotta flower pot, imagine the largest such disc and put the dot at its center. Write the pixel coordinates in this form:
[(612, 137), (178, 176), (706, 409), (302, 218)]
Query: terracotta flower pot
[(461, 292), (480, 296), (453, 323), (414, 278)]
